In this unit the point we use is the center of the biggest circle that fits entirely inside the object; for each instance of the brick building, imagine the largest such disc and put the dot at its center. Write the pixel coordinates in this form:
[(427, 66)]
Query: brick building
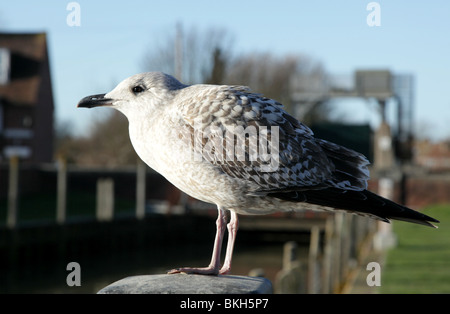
[(26, 99), (433, 156)]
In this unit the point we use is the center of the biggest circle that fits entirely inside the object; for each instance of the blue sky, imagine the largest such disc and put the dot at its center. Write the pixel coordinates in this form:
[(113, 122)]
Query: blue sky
[(113, 38)]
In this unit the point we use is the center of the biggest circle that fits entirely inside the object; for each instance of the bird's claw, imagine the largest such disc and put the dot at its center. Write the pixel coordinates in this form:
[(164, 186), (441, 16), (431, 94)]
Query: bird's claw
[(200, 270)]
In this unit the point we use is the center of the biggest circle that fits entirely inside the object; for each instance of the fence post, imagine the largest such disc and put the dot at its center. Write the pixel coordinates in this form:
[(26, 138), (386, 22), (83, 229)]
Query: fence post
[(313, 259), (13, 191), (291, 278), (328, 255), (337, 251), (61, 190), (289, 254), (140, 189), (105, 199), (384, 237)]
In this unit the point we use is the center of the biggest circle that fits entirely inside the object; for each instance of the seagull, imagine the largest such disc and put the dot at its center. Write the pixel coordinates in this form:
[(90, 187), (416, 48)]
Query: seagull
[(239, 150)]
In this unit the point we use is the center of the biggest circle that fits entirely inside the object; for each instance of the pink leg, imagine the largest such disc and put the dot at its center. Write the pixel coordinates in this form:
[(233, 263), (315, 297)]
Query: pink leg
[(233, 226), (213, 268)]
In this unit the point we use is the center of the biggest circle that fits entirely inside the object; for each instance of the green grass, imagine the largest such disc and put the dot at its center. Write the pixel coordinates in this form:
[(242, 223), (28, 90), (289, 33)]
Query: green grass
[(420, 263)]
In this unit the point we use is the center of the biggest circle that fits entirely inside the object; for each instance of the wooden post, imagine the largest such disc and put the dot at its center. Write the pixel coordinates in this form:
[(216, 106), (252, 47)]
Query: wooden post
[(105, 199), (62, 191), (328, 254), (313, 259), (13, 191), (140, 189), (289, 254), (345, 245), (291, 278), (337, 250), (348, 242)]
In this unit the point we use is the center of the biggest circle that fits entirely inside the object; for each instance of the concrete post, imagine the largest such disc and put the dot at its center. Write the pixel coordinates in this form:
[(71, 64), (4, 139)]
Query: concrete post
[(383, 150), (189, 284)]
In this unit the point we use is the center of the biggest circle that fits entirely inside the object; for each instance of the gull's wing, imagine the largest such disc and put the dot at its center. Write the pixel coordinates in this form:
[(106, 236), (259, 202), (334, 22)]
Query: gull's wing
[(303, 162)]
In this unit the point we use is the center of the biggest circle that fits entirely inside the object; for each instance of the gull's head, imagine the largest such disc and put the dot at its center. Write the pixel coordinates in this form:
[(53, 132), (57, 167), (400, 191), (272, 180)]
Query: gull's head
[(138, 93)]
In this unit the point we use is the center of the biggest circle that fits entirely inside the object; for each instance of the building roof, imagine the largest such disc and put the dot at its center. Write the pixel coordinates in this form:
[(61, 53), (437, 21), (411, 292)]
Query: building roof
[(27, 52)]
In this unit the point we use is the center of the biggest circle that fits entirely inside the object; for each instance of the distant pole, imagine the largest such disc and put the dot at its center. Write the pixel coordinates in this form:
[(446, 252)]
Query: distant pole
[(62, 191), (13, 189), (140, 189)]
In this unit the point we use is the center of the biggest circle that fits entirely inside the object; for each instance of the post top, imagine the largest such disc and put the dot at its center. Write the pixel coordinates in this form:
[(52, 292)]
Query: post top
[(189, 284)]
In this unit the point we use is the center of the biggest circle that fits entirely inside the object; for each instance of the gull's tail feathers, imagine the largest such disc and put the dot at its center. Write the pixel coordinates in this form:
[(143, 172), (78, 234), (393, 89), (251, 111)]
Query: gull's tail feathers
[(360, 202)]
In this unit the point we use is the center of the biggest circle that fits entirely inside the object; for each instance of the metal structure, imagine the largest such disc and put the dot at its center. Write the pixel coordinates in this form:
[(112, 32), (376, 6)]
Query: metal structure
[(381, 85)]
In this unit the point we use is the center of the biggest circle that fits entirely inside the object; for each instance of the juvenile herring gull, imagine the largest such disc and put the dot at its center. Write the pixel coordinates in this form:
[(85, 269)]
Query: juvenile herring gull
[(241, 151)]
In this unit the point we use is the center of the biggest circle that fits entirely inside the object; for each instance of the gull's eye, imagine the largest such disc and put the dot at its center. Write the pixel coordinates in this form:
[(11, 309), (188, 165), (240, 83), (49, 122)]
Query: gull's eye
[(137, 89)]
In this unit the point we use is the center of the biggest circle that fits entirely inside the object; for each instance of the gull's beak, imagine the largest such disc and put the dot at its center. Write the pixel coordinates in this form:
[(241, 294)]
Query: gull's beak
[(95, 101)]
